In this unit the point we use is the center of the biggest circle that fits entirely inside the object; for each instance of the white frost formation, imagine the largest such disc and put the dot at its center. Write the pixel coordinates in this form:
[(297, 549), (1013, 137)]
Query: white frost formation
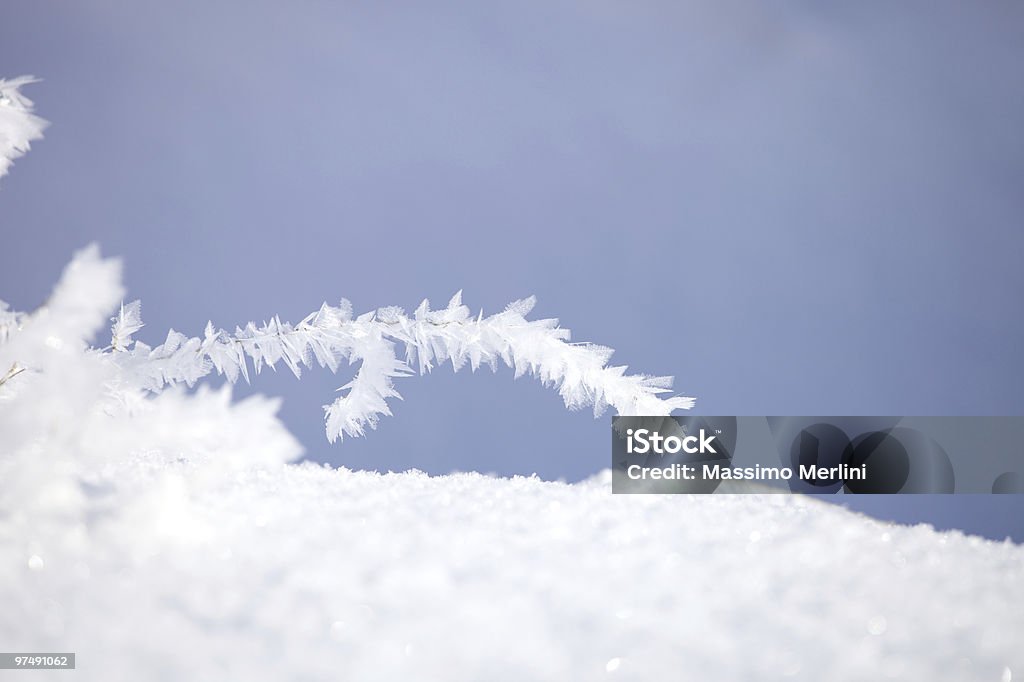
[(327, 337), (18, 125)]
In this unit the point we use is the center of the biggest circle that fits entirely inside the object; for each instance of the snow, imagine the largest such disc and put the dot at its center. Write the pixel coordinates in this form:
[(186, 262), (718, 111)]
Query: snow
[(203, 567)]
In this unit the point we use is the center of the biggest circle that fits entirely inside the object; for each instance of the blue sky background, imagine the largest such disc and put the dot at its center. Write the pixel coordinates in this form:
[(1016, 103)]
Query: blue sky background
[(795, 208)]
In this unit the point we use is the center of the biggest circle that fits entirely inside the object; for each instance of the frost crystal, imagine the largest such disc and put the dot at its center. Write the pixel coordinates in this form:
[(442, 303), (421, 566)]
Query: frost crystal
[(428, 338), (18, 125)]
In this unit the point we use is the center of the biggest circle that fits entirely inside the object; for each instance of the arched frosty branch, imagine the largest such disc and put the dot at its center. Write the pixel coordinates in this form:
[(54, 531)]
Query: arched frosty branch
[(430, 337), (18, 125), (328, 337)]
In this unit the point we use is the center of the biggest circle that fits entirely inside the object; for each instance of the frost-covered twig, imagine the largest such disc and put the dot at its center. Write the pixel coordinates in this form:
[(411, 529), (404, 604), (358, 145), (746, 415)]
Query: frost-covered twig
[(14, 371), (430, 337), (18, 125), (327, 337)]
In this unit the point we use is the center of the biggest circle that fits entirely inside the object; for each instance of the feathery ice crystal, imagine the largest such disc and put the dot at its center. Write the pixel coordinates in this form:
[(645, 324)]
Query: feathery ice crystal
[(18, 125), (90, 287)]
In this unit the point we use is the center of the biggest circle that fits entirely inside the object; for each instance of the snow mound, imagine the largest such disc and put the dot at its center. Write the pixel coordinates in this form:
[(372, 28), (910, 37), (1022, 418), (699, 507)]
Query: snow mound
[(184, 568)]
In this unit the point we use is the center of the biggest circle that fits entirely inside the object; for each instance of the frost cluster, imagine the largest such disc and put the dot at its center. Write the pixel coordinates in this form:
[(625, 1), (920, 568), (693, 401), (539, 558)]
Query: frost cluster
[(18, 125), (327, 337)]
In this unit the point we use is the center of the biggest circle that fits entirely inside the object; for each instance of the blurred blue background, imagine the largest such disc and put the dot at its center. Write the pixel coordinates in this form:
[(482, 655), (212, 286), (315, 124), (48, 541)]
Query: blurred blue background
[(794, 207)]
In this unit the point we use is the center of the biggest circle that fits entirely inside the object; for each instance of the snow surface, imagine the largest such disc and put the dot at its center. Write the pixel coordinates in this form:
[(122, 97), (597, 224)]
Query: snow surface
[(182, 569)]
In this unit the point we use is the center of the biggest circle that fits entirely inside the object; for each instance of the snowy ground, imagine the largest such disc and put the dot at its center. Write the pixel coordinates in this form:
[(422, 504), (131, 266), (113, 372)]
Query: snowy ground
[(183, 570)]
